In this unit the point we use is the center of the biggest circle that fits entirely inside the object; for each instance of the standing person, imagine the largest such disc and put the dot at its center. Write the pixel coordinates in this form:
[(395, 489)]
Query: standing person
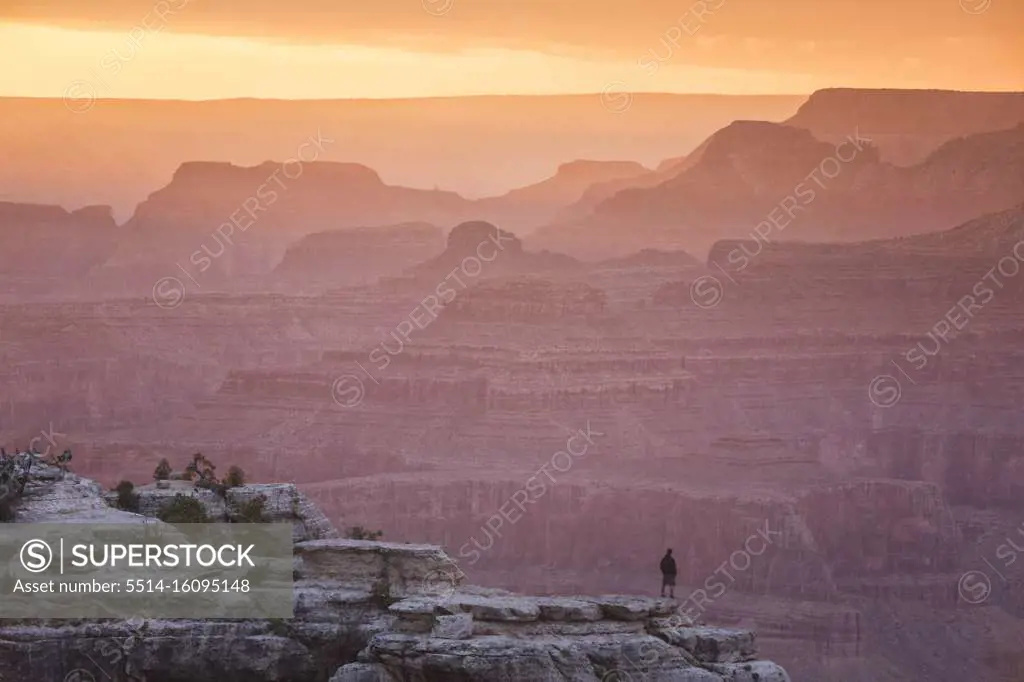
[(668, 575)]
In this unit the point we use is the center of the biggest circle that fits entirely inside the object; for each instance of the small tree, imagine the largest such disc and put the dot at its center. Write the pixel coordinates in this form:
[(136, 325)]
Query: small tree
[(126, 497), (163, 470), (183, 509), (360, 533), (235, 477)]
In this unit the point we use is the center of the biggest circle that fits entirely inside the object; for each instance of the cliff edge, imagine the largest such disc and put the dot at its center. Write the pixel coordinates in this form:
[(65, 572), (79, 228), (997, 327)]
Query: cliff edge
[(365, 612)]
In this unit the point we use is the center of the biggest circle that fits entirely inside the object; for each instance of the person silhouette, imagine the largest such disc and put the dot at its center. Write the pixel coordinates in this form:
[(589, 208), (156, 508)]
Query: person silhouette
[(668, 575)]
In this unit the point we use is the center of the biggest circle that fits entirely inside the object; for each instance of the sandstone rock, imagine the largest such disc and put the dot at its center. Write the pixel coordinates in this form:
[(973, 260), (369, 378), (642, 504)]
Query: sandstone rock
[(554, 659), (459, 626), (503, 609), (559, 628), (51, 496), (671, 622), (325, 604), (396, 570), (625, 607), (754, 671), (153, 499), (362, 672), (567, 609), (283, 502), (714, 645)]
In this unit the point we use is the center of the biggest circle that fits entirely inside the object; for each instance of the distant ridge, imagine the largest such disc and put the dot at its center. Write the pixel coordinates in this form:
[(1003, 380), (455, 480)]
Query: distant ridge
[(739, 178), (907, 125), (476, 146)]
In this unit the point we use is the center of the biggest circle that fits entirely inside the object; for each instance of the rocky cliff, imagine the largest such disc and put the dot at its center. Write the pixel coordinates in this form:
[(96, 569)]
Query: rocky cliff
[(366, 612)]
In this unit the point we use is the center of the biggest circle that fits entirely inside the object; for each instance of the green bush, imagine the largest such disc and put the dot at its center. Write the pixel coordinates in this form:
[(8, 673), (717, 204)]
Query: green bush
[(360, 533), (163, 470), (215, 486), (235, 477), (126, 497), (183, 509)]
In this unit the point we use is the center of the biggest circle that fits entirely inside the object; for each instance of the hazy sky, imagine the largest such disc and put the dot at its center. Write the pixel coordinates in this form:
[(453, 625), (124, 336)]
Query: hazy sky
[(197, 49)]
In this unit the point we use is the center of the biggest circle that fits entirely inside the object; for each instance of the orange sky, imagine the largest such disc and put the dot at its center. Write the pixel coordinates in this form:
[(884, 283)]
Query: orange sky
[(202, 49)]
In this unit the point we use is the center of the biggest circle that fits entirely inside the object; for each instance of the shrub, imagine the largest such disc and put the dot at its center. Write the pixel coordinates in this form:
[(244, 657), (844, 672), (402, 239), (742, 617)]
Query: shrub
[(183, 509), (235, 477), (126, 497), (251, 511), (14, 474), (279, 627), (203, 468), (163, 470), (360, 533), (7, 504)]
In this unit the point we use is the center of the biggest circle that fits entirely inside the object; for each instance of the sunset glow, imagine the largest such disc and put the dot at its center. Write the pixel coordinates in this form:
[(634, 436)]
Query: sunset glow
[(193, 55)]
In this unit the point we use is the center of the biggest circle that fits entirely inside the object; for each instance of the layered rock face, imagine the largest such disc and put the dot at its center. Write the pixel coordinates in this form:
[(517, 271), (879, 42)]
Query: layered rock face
[(527, 300), (507, 638), (368, 611)]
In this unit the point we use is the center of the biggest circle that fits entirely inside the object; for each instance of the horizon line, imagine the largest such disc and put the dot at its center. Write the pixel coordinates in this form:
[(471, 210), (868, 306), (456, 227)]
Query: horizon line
[(653, 93)]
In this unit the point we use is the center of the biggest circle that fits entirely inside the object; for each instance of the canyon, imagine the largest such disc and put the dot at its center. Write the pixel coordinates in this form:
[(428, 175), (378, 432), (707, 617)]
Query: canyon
[(820, 416), (760, 416)]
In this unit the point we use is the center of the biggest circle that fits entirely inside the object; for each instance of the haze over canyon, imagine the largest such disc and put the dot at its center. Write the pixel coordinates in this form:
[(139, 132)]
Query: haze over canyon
[(534, 338)]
